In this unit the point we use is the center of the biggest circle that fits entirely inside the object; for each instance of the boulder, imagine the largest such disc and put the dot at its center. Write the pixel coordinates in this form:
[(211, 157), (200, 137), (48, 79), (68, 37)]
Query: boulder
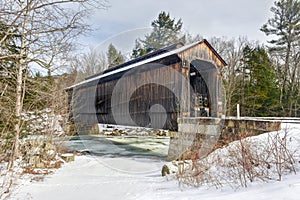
[(68, 157)]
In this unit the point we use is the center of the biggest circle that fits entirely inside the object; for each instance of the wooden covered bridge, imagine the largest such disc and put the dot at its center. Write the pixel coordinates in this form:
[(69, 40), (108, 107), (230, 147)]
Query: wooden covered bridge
[(153, 90)]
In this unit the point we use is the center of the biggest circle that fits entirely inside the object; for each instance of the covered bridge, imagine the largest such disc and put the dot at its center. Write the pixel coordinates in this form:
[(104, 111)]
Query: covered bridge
[(153, 90)]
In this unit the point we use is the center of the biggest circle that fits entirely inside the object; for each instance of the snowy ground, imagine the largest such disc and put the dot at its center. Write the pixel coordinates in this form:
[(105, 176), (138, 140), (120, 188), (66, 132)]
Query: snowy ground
[(132, 170), (90, 178)]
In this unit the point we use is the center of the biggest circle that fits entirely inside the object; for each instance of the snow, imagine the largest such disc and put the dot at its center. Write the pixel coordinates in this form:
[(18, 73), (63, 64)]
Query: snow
[(42, 121), (121, 175), (91, 178), (107, 129), (67, 154)]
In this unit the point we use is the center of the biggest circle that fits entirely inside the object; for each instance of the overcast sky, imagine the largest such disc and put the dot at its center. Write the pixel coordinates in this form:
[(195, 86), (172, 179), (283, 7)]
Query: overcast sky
[(229, 18)]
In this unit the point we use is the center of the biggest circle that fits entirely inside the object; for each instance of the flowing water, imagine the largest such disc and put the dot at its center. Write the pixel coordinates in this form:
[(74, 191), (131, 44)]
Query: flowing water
[(154, 148)]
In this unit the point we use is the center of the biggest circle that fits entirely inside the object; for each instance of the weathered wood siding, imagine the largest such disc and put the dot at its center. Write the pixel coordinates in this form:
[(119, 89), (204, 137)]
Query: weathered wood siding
[(201, 51), (142, 98)]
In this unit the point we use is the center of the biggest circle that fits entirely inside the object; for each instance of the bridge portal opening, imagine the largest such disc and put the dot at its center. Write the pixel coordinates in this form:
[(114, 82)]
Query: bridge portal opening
[(206, 98)]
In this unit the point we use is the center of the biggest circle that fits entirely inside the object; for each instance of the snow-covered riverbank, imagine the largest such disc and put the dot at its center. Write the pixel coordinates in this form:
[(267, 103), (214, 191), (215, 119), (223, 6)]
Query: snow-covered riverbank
[(118, 174), (91, 178)]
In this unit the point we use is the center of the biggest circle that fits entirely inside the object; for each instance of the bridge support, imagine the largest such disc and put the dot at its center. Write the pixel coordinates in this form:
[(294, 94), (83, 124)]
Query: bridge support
[(195, 138), (198, 136)]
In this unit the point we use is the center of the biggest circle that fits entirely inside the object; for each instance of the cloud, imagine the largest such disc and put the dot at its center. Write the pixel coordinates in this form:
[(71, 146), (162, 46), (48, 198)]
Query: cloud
[(229, 18)]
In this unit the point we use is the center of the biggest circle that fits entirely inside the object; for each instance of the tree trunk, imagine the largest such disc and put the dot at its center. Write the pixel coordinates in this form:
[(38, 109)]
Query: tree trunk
[(285, 77), (19, 90), (18, 109)]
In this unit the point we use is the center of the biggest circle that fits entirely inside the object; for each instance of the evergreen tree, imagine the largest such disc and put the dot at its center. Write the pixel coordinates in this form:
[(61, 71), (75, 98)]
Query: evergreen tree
[(138, 50), (8, 48), (114, 57), (165, 31), (7, 80), (285, 26), (261, 93)]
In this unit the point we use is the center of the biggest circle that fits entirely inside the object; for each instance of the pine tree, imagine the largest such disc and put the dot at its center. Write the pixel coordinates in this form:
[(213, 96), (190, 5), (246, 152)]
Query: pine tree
[(114, 57), (165, 31), (8, 67), (138, 50), (285, 26), (260, 87)]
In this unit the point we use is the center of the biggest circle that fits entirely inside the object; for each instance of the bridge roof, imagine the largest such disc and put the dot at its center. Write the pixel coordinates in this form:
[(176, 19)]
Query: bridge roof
[(151, 57)]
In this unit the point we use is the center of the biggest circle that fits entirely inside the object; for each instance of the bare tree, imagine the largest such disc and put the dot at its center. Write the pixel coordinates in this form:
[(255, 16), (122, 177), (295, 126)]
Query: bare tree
[(38, 34), (46, 31), (232, 52), (88, 64)]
